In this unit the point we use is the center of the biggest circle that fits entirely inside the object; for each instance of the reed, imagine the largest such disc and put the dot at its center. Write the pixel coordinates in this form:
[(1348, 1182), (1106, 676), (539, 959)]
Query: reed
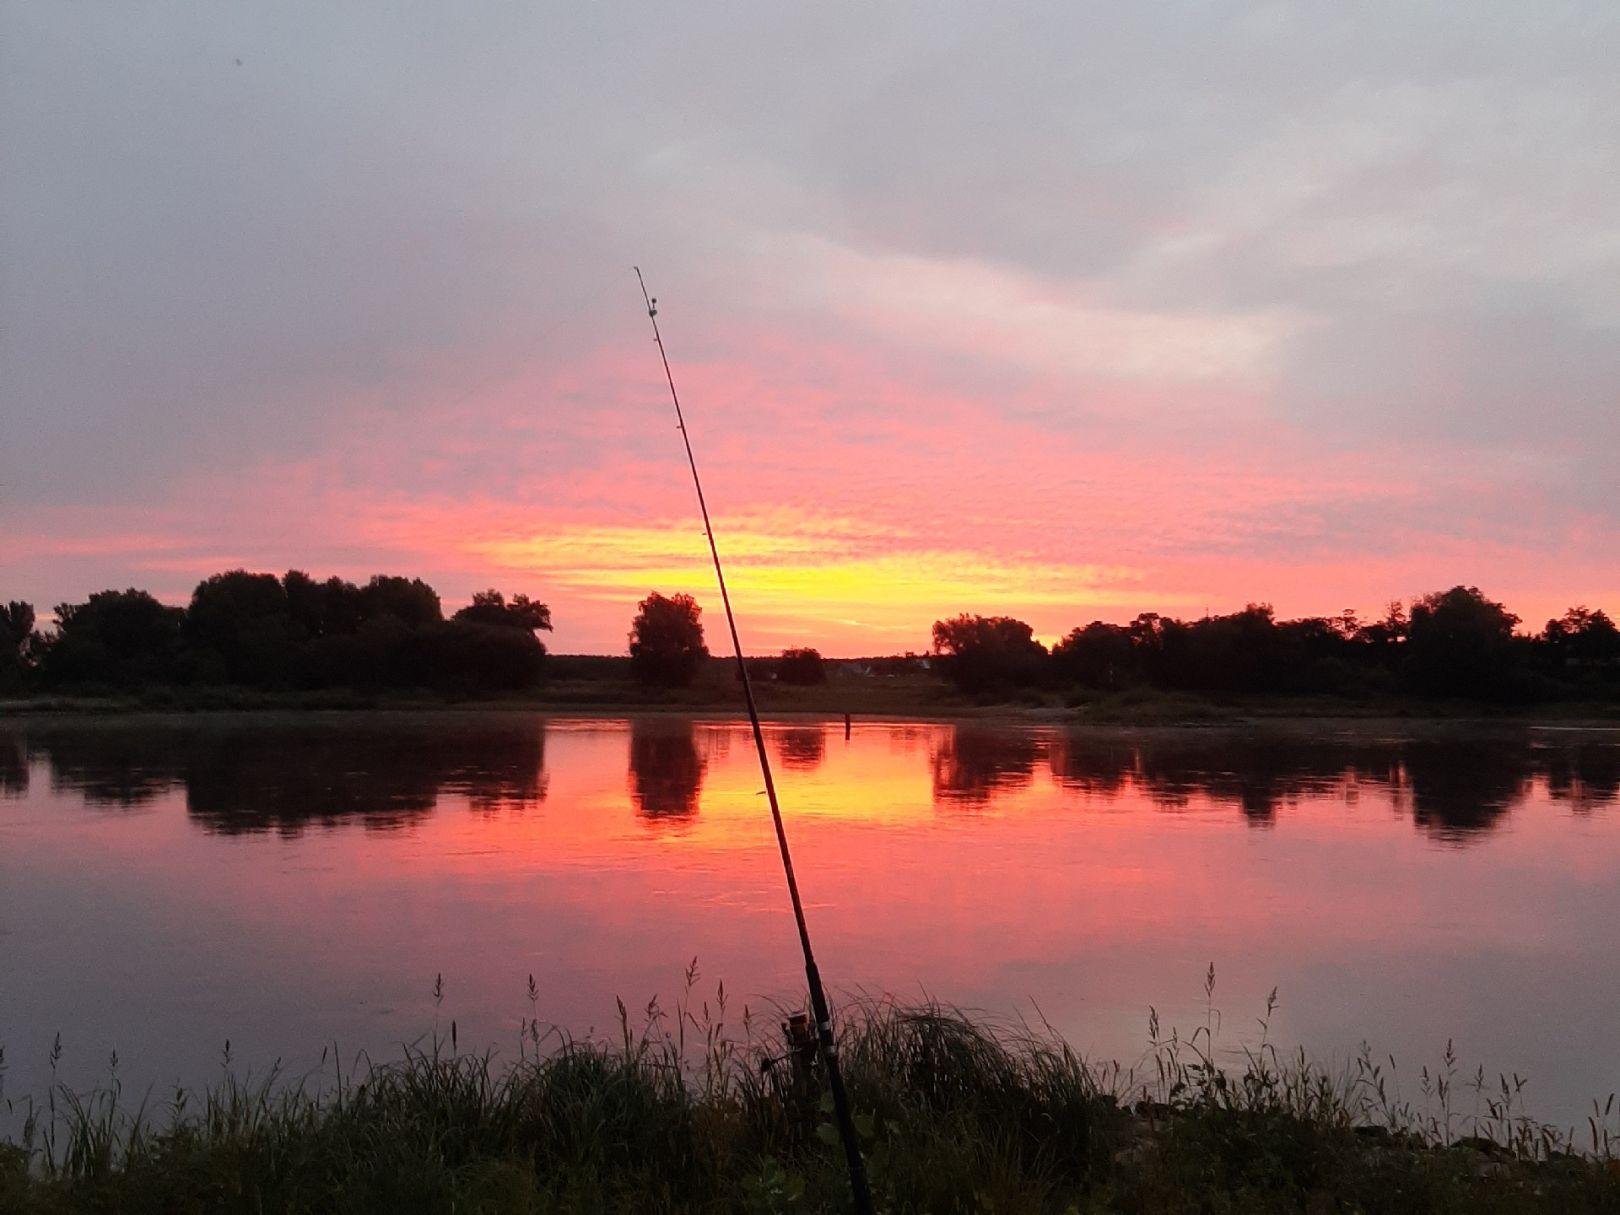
[(690, 1110)]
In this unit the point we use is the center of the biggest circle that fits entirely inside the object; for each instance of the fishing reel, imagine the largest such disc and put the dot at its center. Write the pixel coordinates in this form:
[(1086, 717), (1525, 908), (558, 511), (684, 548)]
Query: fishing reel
[(803, 1048)]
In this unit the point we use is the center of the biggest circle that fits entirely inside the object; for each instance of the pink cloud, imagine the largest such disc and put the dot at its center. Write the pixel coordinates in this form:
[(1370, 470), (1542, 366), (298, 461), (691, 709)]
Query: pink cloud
[(856, 500)]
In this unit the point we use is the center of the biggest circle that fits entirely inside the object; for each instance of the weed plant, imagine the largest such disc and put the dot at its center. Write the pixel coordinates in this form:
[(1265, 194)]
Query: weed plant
[(688, 1111)]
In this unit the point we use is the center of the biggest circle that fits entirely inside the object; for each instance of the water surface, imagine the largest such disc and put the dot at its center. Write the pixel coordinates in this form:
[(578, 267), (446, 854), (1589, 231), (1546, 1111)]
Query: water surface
[(282, 883)]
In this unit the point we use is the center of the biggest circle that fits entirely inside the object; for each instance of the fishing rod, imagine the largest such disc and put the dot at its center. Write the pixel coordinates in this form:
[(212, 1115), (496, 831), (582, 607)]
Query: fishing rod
[(818, 994)]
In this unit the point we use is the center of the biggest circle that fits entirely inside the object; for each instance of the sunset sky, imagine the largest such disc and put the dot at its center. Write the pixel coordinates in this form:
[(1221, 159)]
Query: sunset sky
[(1064, 311)]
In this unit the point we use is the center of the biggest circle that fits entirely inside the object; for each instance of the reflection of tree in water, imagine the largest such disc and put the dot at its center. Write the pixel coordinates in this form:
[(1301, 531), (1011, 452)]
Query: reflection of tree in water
[(666, 769), (507, 772), (13, 767), (1090, 764), (123, 767), (242, 779), (243, 776), (1256, 773), (1259, 773), (240, 786), (715, 740), (973, 763), (1461, 788), (801, 748), (1587, 775), (382, 779), (904, 740)]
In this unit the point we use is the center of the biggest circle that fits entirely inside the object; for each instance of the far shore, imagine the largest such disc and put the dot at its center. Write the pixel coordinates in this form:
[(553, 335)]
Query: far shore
[(906, 698)]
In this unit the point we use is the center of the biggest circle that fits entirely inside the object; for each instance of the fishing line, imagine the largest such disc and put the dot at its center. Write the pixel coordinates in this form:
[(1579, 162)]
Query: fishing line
[(818, 995)]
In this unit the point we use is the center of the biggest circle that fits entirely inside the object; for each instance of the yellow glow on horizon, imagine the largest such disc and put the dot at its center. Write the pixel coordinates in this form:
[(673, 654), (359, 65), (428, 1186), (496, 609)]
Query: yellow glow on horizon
[(804, 574)]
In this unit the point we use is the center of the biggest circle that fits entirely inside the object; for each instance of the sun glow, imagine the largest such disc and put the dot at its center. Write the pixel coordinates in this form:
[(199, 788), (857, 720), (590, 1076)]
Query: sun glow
[(814, 576)]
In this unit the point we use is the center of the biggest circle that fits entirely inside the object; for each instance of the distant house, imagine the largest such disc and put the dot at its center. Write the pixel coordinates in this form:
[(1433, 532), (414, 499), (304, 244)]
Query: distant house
[(872, 668)]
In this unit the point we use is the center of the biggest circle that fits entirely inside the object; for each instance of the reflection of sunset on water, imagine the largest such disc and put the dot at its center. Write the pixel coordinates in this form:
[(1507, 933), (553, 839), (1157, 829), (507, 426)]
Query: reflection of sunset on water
[(1380, 881)]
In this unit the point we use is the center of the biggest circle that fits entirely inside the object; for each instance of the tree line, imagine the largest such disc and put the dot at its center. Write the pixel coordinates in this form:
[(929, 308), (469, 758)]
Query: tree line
[(293, 632), (1449, 644)]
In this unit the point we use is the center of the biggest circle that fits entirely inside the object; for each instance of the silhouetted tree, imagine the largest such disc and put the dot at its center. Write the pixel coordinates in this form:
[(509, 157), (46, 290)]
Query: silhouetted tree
[(1236, 653), (666, 640), (380, 653), (16, 635), (1315, 654), (1378, 645), (1154, 641), (16, 623), (116, 637), (390, 633), (409, 600), (1097, 656), (262, 631), (1460, 643), (333, 608), (1583, 643), (465, 656), (244, 618), (983, 653), (490, 607), (800, 666)]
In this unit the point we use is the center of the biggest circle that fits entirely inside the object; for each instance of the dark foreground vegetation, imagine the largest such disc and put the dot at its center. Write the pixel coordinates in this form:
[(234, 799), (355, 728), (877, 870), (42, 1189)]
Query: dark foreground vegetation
[(245, 637), (684, 1116)]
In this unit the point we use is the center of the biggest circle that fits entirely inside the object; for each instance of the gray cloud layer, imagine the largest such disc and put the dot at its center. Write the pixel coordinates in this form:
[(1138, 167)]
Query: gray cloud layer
[(221, 224)]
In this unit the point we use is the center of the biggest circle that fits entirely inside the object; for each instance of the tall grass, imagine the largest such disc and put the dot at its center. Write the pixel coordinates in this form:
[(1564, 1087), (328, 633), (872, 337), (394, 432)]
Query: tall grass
[(686, 1110)]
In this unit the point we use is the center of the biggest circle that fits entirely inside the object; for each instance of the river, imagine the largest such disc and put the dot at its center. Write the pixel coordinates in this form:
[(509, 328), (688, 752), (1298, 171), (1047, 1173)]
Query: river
[(286, 883)]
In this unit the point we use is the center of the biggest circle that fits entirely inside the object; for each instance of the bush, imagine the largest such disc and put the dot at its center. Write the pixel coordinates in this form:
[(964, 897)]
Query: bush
[(801, 667)]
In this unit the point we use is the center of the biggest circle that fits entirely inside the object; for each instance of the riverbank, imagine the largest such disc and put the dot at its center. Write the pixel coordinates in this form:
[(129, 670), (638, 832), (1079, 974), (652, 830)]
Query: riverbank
[(911, 696), (681, 1115)]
